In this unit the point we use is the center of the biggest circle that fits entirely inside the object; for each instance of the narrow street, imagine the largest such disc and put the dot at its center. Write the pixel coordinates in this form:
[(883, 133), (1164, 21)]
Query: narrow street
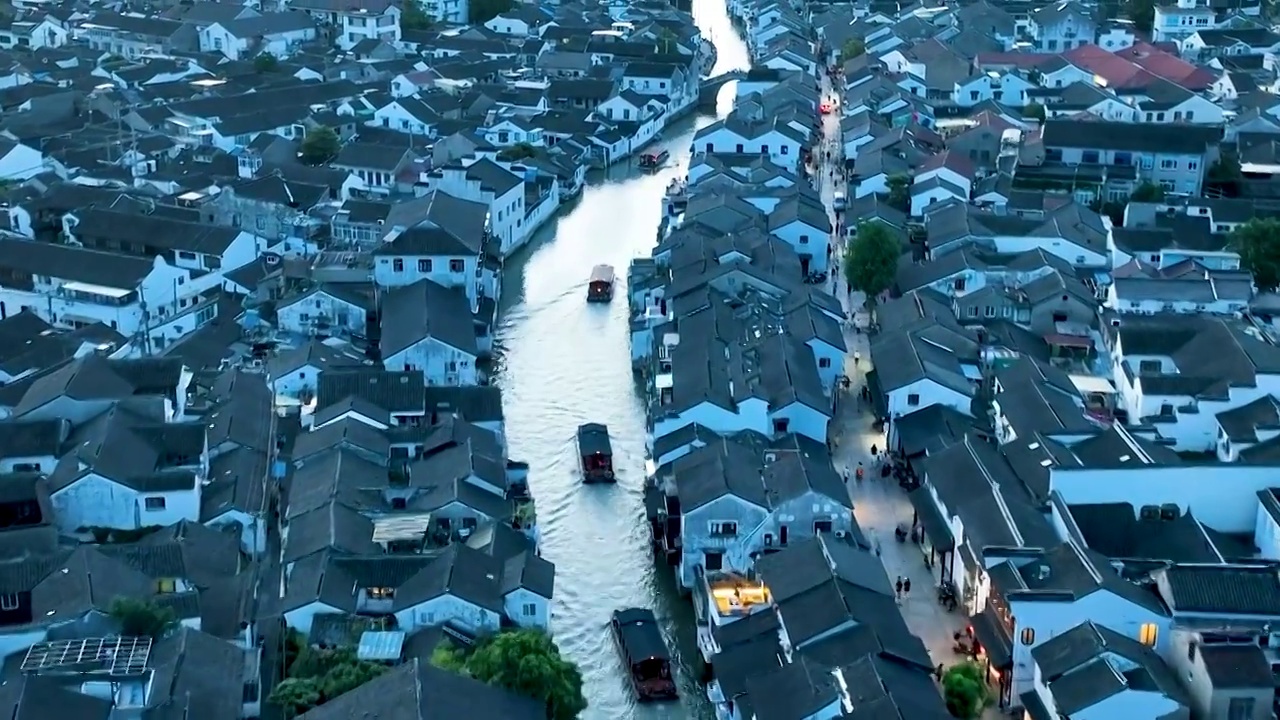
[(880, 505)]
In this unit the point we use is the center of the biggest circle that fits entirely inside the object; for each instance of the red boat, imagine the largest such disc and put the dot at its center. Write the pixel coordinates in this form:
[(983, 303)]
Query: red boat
[(654, 160), (600, 286), (645, 653), (595, 453)]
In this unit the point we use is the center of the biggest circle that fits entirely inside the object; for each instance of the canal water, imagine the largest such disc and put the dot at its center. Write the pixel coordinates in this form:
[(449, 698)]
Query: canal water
[(562, 363)]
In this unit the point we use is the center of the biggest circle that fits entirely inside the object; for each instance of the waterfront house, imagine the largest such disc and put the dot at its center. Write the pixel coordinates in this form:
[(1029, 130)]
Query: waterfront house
[(421, 691), (772, 138), (743, 496)]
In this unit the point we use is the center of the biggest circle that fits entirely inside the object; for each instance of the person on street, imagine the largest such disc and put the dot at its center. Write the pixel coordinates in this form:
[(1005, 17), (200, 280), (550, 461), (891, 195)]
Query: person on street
[(897, 589), (906, 586)]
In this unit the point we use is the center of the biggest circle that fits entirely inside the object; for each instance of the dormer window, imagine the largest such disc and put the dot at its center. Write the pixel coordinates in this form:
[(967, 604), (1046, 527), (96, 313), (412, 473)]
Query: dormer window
[(166, 586), (381, 593)]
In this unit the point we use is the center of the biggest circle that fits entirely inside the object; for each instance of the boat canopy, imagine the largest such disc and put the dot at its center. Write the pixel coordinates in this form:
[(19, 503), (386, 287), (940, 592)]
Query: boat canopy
[(639, 634), (602, 273), (593, 439)]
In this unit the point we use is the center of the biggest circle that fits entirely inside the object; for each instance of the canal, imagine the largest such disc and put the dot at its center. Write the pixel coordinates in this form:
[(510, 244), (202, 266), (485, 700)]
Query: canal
[(562, 363)]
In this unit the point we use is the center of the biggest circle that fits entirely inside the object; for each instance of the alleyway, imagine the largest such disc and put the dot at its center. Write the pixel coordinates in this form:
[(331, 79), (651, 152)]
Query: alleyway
[(880, 505)]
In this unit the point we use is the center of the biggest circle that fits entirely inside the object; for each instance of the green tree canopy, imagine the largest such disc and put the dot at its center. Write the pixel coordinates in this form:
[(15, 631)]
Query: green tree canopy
[(296, 695), (899, 192), (1147, 192), (1258, 242), (1142, 13), (965, 690), (318, 676), (852, 49), (141, 618), (320, 146), (516, 152), (265, 63), (1034, 110), (482, 11), (871, 261), (412, 17), (526, 662), (668, 42)]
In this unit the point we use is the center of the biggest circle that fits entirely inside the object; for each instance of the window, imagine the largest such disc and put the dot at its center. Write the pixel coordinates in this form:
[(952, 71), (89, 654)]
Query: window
[(1089, 157), (1191, 650), (1240, 708), (166, 586), (9, 601), (821, 526), (804, 239), (529, 609), (913, 399), (786, 150), (1168, 164), (424, 265), (958, 285), (456, 266), (824, 362), (713, 560), (1148, 634), (381, 593), (724, 528), (397, 265), (989, 311), (154, 503), (1028, 636)]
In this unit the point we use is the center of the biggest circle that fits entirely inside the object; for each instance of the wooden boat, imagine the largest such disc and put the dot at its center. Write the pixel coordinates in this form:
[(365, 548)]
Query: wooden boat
[(600, 286), (645, 652), (654, 160), (595, 453)]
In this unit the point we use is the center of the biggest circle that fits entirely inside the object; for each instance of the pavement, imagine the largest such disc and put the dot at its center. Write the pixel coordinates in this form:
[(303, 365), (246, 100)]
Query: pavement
[(880, 505)]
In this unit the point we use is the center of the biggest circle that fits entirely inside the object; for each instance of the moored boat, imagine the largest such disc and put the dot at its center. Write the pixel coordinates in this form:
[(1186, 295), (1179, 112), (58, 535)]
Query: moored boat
[(595, 453), (654, 160), (645, 653)]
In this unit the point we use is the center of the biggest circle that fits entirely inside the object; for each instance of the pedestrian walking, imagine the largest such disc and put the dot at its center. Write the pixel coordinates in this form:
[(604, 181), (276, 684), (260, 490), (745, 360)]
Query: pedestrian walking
[(873, 451), (857, 358), (906, 586), (897, 589)]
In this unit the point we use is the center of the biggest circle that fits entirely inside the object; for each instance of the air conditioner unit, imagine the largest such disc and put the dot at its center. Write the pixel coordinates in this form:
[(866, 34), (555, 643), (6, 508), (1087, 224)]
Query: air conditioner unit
[(842, 534)]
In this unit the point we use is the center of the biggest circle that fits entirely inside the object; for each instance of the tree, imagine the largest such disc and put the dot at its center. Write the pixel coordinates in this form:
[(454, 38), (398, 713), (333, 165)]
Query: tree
[(141, 618), (1035, 111), (668, 42), (1142, 13), (295, 695), (871, 261), (447, 657), (412, 16), (519, 151), (318, 676), (852, 49), (482, 11), (965, 690), (265, 63), (1147, 192), (528, 663), (1226, 175), (320, 146), (899, 192), (1258, 242)]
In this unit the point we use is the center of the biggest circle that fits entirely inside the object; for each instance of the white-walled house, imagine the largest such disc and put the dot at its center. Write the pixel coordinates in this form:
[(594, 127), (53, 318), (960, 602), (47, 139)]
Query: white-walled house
[(905, 384), (728, 518), (278, 34), (770, 138), (1183, 371), (429, 328), (1004, 88), (124, 475)]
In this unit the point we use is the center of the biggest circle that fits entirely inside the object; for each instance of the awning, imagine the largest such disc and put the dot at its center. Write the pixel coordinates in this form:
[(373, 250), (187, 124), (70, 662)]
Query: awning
[(987, 630), (1076, 341), (879, 402), (1035, 707), (935, 526)]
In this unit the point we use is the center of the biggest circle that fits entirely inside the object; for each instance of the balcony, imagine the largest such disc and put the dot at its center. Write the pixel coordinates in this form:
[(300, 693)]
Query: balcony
[(732, 596)]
